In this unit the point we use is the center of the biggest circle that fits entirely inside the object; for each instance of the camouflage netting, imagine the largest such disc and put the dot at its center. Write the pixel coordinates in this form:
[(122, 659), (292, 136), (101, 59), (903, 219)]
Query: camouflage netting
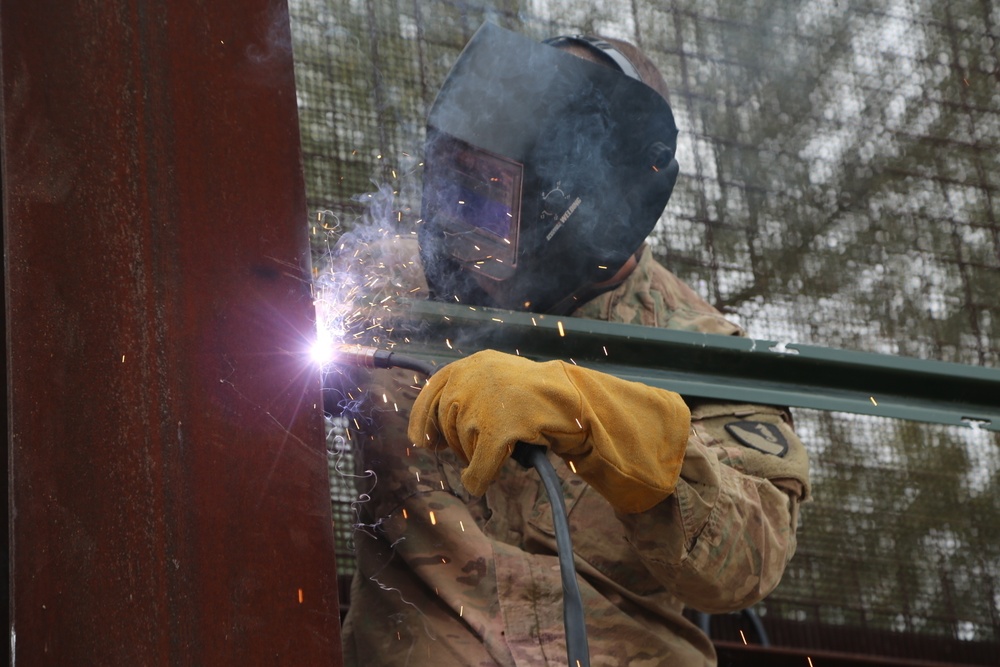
[(839, 187)]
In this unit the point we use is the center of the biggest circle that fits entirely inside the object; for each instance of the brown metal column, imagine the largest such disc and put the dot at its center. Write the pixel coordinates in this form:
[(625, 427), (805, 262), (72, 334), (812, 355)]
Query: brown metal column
[(168, 494)]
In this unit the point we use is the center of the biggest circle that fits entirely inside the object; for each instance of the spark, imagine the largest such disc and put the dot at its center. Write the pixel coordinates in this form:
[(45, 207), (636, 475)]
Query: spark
[(418, 480), (300, 596), (495, 319), (578, 423), (461, 610), (405, 515), (572, 467), (123, 358), (810, 661), (605, 348), (562, 332), (743, 637), (872, 399), (461, 525), (448, 343), (433, 518)]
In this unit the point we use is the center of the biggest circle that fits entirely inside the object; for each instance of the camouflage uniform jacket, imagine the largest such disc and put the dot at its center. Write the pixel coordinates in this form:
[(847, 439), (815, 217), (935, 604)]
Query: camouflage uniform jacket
[(449, 579)]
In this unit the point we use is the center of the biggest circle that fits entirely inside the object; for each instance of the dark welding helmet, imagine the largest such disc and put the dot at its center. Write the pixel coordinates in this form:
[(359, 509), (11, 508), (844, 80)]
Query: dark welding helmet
[(544, 173)]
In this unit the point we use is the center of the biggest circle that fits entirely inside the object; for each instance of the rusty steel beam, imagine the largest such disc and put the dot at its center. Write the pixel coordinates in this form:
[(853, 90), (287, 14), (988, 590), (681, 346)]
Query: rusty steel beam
[(168, 494)]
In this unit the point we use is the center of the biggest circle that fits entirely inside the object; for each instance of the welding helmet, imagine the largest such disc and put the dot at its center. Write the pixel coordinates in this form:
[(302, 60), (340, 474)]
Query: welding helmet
[(544, 173)]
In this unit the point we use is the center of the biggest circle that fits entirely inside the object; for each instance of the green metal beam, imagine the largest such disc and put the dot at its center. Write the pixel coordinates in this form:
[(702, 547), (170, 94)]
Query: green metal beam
[(714, 366)]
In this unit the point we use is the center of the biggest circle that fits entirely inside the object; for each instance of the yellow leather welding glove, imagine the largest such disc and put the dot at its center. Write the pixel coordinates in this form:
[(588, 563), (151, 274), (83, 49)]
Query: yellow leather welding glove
[(625, 439)]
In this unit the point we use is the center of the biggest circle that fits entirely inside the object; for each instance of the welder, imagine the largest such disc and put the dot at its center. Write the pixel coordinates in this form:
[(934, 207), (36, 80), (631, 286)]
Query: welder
[(547, 166)]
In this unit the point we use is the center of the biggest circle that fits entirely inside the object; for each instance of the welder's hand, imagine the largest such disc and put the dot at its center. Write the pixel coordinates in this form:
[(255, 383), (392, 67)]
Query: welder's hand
[(626, 439)]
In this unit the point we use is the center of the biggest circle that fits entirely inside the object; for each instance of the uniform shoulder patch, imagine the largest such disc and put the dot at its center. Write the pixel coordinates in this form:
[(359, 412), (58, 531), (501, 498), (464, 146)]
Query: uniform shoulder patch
[(761, 436)]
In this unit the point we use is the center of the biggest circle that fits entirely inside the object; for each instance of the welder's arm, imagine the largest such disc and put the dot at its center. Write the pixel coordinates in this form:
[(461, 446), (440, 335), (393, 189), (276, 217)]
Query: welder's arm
[(626, 439), (722, 540)]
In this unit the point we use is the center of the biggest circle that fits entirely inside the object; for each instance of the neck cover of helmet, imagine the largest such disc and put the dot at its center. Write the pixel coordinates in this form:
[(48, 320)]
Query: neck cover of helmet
[(544, 173)]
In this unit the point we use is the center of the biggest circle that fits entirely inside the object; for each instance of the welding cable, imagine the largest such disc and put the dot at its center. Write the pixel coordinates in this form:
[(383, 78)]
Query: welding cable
[(533, 456), (529, 456)]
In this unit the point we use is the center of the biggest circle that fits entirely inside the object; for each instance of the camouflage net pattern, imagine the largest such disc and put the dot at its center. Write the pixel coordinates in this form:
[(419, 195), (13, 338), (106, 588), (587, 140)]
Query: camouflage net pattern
[(839, 187)]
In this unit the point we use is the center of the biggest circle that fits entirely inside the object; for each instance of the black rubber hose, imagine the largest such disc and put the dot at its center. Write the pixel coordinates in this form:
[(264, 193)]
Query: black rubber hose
[(410, 363), (577, 650)]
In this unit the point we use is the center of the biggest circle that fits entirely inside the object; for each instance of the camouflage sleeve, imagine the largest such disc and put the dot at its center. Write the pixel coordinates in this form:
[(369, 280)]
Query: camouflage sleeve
[(722, 540)]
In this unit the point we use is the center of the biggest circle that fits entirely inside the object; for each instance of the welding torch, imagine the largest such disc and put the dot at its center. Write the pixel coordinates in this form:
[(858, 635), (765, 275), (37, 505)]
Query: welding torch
[(529, 456)]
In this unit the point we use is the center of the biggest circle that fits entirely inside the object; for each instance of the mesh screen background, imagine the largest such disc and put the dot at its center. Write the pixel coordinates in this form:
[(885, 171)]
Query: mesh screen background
[(839, 187)]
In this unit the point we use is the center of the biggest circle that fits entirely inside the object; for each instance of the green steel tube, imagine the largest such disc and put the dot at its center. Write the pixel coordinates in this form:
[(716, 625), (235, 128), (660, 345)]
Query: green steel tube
[(714, 366)]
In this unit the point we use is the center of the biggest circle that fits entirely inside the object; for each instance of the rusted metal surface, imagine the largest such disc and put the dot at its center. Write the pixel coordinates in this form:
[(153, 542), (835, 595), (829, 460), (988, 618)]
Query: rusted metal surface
[(169, 498)]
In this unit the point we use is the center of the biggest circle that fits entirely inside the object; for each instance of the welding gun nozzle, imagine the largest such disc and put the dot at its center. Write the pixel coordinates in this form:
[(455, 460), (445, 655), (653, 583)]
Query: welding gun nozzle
[(360, 356), (366, 356)]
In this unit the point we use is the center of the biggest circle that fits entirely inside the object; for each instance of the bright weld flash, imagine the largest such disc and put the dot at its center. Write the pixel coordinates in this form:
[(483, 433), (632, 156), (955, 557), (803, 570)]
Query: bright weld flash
[(322, 351)]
